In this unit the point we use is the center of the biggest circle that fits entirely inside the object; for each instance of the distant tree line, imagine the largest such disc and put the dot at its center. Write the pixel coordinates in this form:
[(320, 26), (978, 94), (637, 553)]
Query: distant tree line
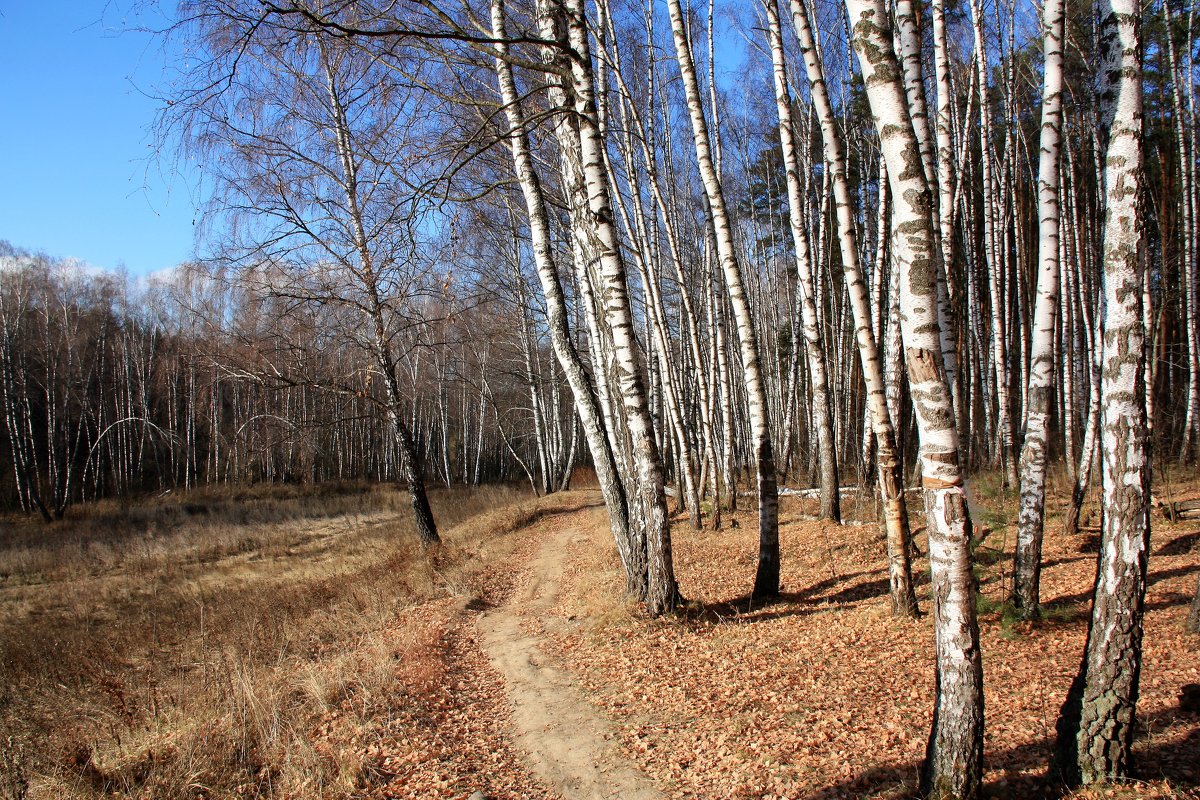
[(112, 386)]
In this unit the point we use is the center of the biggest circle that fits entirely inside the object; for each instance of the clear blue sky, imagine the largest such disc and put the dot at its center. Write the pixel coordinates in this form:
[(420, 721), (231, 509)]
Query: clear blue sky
[(78, 176)]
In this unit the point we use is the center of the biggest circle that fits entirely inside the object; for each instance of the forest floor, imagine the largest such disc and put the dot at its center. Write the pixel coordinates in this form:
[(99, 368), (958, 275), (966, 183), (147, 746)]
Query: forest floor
[(820, 695), (507, 663)]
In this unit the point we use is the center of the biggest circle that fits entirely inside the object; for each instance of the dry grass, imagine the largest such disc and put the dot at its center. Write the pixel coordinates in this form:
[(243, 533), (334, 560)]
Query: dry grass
[(223, 645), (303, 647)]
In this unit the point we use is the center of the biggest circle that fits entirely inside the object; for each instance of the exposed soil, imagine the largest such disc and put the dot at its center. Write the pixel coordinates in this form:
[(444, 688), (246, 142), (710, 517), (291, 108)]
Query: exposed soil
[(498, 715), (569, 743)]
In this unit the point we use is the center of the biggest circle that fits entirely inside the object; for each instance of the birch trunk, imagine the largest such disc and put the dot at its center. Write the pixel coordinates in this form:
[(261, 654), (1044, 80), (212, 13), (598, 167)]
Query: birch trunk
[(805, 289), (1193, 620), (635, 121), (1190, 440), (766, 581), (1027, 561), (646, 257), (1096, 725), (1092, 334), (662, 593), (994, 255), (954, 756), (409, 469), (586, 402), (895, 513)]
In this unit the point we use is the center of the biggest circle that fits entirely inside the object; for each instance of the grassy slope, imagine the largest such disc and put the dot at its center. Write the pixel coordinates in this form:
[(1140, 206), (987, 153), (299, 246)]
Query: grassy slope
[(224, 645)]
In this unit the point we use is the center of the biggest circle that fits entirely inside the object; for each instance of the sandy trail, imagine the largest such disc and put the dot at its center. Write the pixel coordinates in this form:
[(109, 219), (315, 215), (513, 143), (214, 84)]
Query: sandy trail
[(570, 745)]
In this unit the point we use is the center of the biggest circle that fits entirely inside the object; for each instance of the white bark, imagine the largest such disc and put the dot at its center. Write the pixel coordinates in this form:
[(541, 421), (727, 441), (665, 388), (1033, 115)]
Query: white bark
[(1097, 723), (889, 478), (766, 582), (662, 593), (586, 402), (954, 759), (805, 287), (993, 250), (1028, 556)]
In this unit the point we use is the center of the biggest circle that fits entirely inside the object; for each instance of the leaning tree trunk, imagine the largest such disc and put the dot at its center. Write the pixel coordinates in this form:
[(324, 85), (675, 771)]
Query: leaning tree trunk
[(646, 257), (1096, 725), (766, 581), (409, 466), (1087, 457), (586, 402), (1027, 560), (805, 288), (409, 471), (954, 756), (895, 513), (586, 145), (642, 124)]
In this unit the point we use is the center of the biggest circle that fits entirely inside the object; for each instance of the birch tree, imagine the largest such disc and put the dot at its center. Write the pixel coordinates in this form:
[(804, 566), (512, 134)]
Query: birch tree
[(565, 21), (889, 480), (805, 285), (631, 551), (1193, 620), (304, 142), (1028, 556), (954, 756), (994, 253), (766, 580), (1096, 724)]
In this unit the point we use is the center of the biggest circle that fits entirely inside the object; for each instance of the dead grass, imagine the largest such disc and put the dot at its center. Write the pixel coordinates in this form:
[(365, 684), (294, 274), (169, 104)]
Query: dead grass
[(225, 645)]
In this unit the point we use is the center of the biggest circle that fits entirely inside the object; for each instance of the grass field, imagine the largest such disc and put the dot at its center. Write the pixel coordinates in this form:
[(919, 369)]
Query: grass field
[(193, 646)]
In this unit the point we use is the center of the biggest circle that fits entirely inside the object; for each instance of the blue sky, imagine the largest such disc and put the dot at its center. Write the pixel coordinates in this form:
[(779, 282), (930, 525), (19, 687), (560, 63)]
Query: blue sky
[(78, 173)]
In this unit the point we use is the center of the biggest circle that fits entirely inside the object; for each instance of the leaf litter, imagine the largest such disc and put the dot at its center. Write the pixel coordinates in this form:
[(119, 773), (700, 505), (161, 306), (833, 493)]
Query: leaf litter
[(822, 694)]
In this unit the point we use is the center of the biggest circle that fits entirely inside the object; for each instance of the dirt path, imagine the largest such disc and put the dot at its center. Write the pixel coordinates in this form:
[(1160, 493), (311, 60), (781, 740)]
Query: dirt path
[(570, 745)]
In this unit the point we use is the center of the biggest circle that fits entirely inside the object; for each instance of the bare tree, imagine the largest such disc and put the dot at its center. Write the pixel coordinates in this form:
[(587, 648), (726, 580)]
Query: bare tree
[(1095, 728), (318, 147), (954, 759)]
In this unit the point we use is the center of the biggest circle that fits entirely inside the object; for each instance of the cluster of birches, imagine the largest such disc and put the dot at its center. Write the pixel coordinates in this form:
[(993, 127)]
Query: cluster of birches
[(112, 387), (708, 246)]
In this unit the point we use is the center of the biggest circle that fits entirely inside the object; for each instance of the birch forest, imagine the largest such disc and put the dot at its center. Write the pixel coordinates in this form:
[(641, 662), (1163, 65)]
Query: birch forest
[(718, 254)]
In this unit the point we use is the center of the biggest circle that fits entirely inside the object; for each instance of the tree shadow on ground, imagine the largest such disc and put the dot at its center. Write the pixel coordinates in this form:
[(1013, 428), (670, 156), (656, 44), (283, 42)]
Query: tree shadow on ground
[(750, 608), (1055, 562), (1151, 579), (1180, 545), (1009, 774), (815, 590), (809, 600)]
